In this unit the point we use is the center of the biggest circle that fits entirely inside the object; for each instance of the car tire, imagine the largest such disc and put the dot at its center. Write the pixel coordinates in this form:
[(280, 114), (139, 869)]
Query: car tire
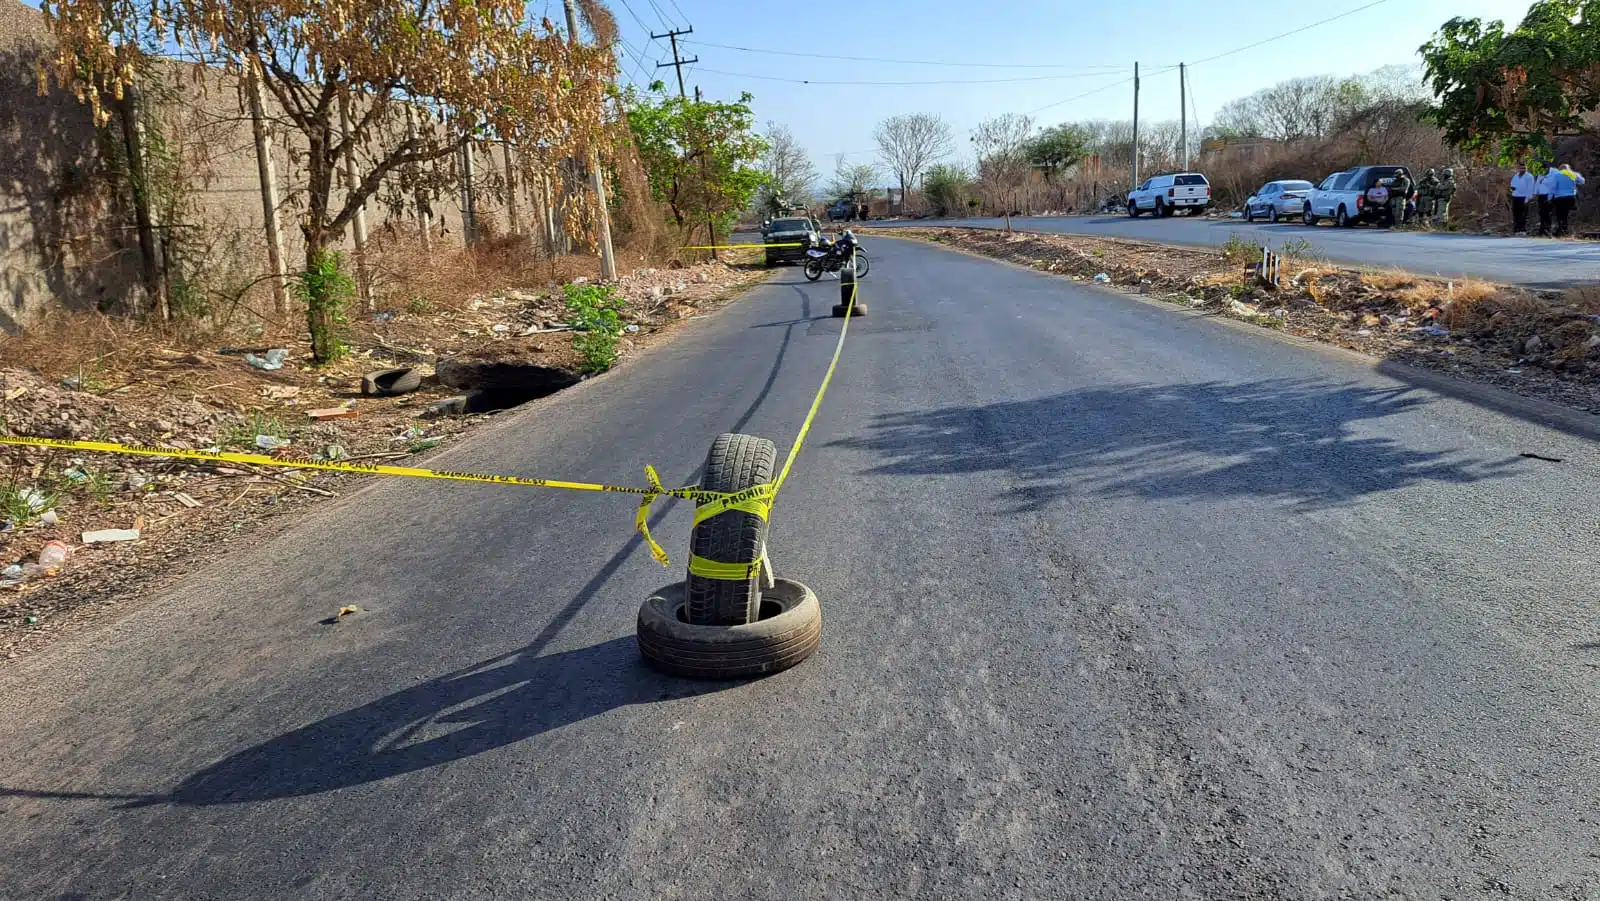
[(788, 632), (1342, 219), (1272, 214), (1161, 208), (391, 382), (1133, 209), (734, 463), (1308, 217), (1249, 213)]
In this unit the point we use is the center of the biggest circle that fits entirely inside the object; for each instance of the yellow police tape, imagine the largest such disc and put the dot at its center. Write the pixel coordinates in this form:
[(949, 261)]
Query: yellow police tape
[(756, 500), (741, 246)]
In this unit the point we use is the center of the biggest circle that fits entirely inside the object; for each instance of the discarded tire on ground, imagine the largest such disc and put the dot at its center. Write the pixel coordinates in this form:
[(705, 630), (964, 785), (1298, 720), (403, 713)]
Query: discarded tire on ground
[(788, 631), (735, 462), (839, 310), (390, 382)]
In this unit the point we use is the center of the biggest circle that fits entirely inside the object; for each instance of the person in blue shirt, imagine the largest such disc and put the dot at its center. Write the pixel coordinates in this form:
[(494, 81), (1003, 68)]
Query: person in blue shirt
[(1563, 184)]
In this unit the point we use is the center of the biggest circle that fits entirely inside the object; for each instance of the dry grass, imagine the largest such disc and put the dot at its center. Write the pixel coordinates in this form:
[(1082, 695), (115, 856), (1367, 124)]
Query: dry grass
[(1480, 309)]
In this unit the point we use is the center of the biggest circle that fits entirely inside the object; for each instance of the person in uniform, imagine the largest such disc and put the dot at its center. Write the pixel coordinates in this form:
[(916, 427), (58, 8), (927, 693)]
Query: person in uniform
[(1399, 196), (1442, 195), (1427, 193)]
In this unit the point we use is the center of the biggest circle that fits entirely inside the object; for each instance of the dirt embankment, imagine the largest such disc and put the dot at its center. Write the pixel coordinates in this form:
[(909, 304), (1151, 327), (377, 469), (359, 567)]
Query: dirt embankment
[(1544, 345), (94, 378)]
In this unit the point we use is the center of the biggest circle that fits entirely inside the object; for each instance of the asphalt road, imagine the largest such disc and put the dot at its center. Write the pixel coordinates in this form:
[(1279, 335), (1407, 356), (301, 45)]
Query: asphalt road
[(1120, 602), (1533, 262)]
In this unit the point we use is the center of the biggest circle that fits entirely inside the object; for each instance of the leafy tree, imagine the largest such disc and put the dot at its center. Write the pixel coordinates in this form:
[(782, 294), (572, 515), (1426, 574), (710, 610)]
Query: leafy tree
[(789, 173), (947, 187), (702, 158), (1057, 149), (1505, 93), (910, 143), (477, 67)]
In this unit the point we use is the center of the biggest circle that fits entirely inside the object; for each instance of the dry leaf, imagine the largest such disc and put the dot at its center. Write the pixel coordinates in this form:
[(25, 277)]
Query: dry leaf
[(346, 611)]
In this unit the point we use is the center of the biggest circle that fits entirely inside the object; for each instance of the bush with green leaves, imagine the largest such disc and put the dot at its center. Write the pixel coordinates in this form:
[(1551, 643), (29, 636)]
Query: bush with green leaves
[(327, 291), (596, 315)]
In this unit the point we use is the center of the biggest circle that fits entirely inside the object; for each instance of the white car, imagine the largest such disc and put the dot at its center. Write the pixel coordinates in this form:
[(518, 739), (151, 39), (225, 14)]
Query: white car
[(1166, 194), (1277, 200)]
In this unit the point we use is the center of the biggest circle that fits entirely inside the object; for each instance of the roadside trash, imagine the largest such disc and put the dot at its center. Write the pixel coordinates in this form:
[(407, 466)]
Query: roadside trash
[(348, 609), (1514, 371), (1235, 215), (425, 444), (330, 413), (11, 573), (273, 360), (35, 499), (1433, 331), (49, 518), (500, 328), (6, 525), (268, 442), (31, 620), (280, 392), (631, 329), (53, 554), (72, 383), (335, 452), (1102, 277), (1364, 331), (74, 475), (101, 536), (185, 500), (382, 317), (410, 434)]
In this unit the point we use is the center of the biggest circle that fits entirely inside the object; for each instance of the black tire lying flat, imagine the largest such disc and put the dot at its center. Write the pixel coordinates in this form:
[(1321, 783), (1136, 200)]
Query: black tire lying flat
[(769, 645), (735, 462), (839, 310)]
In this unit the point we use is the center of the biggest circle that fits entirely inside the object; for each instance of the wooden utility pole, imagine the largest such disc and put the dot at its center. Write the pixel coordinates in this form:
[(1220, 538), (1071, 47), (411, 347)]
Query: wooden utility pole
[(678, 62), (1183, 115), (608, 261), (352, 181), (469, 195), (267, 170), (513, 210), (424, 208), (1135, 184)]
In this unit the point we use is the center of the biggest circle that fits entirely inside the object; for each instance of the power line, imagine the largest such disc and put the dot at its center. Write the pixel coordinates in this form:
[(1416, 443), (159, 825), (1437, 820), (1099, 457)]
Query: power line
[(1286, 34), (662, 16), (909, 83), (1107, 87), (904, 62), (629, 7), (680, 12)]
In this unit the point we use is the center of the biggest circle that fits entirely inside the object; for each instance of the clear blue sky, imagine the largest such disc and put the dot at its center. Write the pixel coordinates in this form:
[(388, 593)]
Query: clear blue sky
[(1085, 38)]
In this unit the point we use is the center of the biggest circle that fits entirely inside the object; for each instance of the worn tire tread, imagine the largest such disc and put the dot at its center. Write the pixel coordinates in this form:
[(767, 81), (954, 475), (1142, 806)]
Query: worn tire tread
[(734, 463)]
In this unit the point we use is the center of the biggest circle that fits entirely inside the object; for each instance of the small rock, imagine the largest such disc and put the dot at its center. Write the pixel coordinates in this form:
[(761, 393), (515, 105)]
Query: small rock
[(137, 480), (49, 518), (1592, 343), (1534, 345), (702, 277), (162, 426)]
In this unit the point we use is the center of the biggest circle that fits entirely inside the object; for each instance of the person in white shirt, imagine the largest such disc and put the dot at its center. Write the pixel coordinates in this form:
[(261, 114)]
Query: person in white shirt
[(1541, 198), (1521, 192)]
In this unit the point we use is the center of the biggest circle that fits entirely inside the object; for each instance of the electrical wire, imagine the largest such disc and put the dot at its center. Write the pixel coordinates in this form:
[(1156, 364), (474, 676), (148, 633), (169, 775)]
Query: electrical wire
[(1286, 34), (1128, 80), (680, 12), (909, 83), (629, 7), (671, 25), (904, 62)]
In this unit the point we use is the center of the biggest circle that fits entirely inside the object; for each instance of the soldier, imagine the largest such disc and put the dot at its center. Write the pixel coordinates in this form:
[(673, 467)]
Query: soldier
[(1443, 193), (1427, 193), (1399, 196)]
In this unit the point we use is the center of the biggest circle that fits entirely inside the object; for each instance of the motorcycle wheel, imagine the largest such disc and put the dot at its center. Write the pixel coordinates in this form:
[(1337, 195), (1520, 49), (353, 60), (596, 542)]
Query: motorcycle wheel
[(862, 264), (813, 269)]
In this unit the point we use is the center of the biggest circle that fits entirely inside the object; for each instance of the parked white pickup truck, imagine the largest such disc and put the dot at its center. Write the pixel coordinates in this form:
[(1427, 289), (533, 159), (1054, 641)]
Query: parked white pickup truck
[(1165, 194), (1356, 195)]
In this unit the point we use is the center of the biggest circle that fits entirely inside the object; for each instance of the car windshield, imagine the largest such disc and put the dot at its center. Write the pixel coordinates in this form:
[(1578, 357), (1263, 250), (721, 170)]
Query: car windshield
[(791, 225), (1189, 180)]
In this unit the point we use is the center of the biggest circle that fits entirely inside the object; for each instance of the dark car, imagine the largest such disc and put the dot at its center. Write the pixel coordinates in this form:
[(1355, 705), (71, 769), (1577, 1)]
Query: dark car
[(800, 233)]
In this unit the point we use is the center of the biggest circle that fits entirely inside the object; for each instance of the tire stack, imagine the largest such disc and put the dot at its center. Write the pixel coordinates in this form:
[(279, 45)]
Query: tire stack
[(708, 628)]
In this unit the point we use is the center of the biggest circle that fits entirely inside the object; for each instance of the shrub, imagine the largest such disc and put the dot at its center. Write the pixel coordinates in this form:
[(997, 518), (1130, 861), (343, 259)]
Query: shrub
[(596, 314)]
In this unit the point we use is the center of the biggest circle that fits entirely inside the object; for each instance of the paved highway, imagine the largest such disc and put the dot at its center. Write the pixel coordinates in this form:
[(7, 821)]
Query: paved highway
[(1120, 602), (1533, 262)]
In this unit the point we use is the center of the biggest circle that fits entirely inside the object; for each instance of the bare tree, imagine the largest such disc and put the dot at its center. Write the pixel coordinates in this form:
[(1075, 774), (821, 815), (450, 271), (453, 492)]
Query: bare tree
[(790, 175), (1001, 145), (848, 179), (909, 144)]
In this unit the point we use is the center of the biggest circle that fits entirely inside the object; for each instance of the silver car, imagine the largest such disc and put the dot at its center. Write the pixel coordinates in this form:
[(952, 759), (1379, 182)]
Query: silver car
[(1277, 200)]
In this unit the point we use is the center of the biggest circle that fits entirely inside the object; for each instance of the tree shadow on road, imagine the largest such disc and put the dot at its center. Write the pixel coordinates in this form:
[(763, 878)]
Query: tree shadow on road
[(1311, 444)]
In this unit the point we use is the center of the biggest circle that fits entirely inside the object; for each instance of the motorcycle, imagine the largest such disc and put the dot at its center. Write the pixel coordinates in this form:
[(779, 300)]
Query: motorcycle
[(834, 256)]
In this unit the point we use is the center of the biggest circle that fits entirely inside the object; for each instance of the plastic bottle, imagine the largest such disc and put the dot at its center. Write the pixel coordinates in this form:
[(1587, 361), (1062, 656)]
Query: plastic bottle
[(53, 554)]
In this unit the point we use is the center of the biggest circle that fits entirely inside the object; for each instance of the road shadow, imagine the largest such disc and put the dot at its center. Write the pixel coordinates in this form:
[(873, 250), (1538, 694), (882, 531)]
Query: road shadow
[(1308, 443), (500, 701)]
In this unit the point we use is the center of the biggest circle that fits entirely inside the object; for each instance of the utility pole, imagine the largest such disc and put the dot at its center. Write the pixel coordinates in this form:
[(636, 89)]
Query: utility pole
[(358, 225), (469, 194), (1183, 114), (608, 260), (678, 62), (1135, 126), (267, 171)]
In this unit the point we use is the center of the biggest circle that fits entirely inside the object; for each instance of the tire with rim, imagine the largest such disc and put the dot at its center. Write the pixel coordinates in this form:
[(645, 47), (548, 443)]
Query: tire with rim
[(1342, 219), (735, 462), (1272, 214), (1307, 216), (788, 631), (1161, 208), (1133, 208), (813, 268), (1249, 213)]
